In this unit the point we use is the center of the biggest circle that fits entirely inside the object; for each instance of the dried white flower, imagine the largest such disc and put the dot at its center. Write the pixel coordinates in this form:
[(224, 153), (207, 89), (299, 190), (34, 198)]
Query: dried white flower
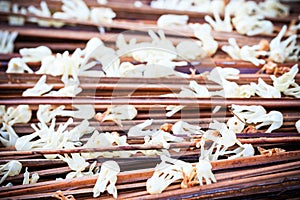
[(252, 25), (20, 114), (273, 118), (40, 88), (77, 164), (203, 33), (167, 20), (18, 65), (82, 111), (117, 113), (273, 8), (102, 15), (107, 179), (190, 50), (46, 113), (294, 91), (248, 113), (218, 24), (245, 53), (73, 9), (287, 50), (35, 54), (137, 130), (164, 175), (161, 137), (184, 128), (107, 140), (27, 180), (9, 137), (12, 168), (173, 109), (235, 125), (262, 89), (245, 150), (17, 20), (43, 12), (7, 40), (258, 116), (203, 170), (283, 82)]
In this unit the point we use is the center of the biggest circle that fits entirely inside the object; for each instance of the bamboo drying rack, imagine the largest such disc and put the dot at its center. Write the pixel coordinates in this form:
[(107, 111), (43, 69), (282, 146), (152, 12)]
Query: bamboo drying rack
[(255, 177)]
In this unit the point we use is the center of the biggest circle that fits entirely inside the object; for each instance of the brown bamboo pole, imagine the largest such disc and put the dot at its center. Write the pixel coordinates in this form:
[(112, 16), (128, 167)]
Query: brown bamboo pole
[(143, 147), (199, 102)]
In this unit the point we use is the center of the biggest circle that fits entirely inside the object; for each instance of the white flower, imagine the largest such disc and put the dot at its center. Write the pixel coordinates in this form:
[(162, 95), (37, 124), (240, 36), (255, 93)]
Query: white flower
[(7, 41), (248, 113), (287, 50), (164, 175), (107, 140), (76, 163), (173, 109), (73, 9), (12, 168), (235, 125), (283, 82), (252, 25), (107, 179), (218, 24), (9, 137), (190, 50), (203, 170), (273, 118), (117, 113), (35, 54), (294, 91), (81, 111), (273, 8), (245, 150), (169, 20), (102, 15), (262, 89), (45, 113), (258, 115), (43, 12), (184, 128), (17, 20), (245, 53), (203, 33), (137, 130), (27, 180), (20, 114), (18, 65), (39, 89)]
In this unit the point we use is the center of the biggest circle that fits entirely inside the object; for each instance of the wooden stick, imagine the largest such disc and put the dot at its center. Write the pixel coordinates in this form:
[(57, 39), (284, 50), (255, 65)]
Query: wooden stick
[(199, 102), (143, 147)]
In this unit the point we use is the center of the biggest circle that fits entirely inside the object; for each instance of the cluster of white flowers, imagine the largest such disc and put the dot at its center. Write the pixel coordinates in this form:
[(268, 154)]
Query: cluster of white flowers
[(71, 9), (193, 5), (48, 137), (255, 115), (171, 170), (283, 84), (216, 142), (248, 15)]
